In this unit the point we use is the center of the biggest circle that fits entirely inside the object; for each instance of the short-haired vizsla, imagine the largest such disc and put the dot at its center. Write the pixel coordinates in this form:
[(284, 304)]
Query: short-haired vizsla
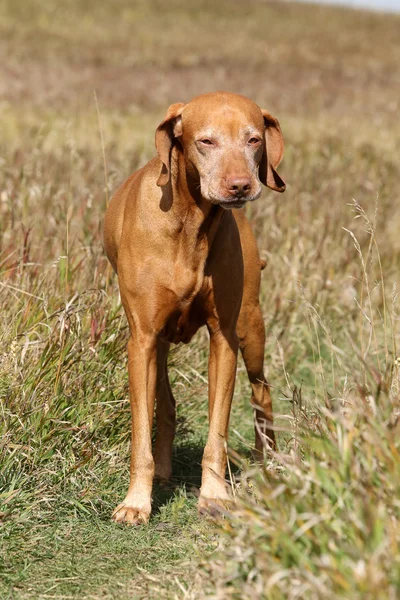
[(184, 259)]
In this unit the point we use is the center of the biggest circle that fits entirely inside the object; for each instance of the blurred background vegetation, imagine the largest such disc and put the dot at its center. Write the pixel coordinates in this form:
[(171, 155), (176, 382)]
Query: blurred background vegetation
[(322, 519)]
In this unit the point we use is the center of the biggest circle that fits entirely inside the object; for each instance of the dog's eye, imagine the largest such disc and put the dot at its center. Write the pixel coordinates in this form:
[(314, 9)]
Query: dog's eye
[(207, 142), (252, 141)]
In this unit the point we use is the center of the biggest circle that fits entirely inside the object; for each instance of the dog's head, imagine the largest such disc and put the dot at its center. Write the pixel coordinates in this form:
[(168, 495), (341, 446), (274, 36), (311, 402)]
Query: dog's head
[(230, 146)]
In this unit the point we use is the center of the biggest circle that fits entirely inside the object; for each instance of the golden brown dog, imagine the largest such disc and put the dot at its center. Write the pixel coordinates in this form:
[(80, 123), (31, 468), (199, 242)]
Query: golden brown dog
[(184, 259)]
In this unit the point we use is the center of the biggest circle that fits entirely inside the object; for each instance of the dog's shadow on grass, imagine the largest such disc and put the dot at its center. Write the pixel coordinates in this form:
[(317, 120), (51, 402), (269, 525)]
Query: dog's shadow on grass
[(186, 473)]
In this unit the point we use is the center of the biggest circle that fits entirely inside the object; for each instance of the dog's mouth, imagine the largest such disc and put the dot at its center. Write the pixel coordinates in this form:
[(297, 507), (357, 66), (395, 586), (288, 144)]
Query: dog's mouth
[(228, 202), (235, 203)]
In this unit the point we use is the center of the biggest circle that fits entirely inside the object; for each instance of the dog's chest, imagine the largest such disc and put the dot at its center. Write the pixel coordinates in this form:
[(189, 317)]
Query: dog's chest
[(188, 315), (191, 288)]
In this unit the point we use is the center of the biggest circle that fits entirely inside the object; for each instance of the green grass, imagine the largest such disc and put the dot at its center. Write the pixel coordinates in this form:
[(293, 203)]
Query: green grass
[(77, 552), (322, 519)]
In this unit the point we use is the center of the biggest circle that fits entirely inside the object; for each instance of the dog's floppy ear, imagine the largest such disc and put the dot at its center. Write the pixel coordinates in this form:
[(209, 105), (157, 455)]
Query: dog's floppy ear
[(272, 155), (167, 130)]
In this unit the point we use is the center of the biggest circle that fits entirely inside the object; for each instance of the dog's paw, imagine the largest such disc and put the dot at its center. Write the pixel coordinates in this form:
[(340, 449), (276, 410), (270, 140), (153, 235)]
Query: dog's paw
[(130, 515), (214, 507), (162, 474), (162, 482)]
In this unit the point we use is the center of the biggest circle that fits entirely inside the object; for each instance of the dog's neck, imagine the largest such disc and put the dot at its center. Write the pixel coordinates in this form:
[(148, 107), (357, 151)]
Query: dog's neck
[(198, 219)]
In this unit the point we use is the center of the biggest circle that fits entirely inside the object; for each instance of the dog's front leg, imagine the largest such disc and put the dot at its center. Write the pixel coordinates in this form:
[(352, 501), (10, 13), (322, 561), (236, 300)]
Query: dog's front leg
[(142, 367), (222, 372)]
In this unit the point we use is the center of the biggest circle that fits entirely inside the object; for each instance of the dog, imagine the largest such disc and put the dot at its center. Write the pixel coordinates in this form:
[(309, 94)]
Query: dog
[(185, 259)]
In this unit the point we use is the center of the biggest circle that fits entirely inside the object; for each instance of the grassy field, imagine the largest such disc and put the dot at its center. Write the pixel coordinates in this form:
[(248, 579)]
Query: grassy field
[(322, 519)]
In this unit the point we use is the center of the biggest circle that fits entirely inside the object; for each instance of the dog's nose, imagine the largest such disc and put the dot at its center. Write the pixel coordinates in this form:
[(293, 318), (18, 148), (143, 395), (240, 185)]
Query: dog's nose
[(238, 185)]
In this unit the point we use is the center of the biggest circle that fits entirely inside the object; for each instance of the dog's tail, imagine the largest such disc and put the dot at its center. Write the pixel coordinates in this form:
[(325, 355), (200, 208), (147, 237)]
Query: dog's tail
[(263, 264)]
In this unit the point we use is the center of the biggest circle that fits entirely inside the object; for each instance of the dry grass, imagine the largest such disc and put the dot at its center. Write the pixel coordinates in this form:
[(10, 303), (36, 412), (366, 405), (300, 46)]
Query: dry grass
[(322, 521)]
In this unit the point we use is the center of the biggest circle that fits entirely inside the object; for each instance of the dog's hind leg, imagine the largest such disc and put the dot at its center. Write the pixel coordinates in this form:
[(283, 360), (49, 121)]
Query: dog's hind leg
[(165, 417), (251, 333)]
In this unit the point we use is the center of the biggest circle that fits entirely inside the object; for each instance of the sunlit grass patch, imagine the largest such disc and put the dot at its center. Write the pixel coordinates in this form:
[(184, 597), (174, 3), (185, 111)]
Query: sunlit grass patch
[(321, 520)]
